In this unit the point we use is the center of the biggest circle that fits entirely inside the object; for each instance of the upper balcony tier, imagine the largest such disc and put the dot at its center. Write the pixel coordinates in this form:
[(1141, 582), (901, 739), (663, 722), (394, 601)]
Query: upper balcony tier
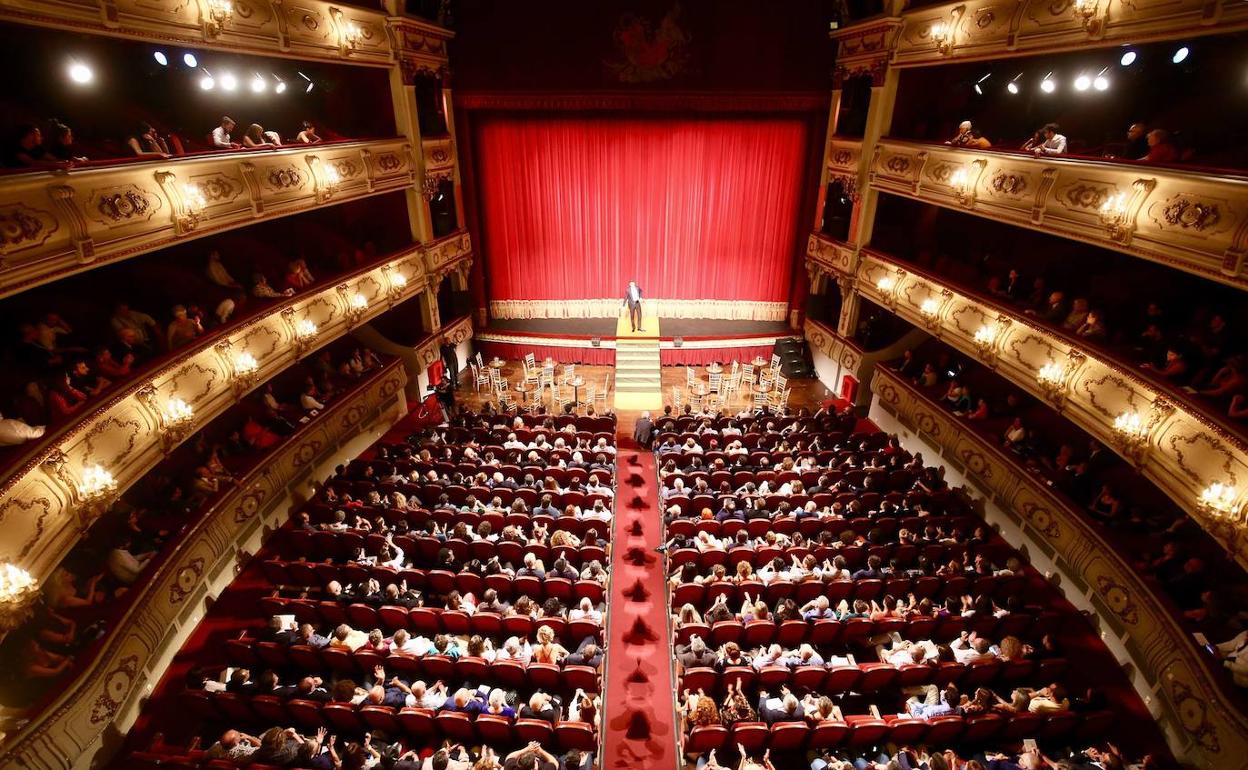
[(998, 29), (1172, 440), (309, 30), (44, 504), (1189, 218), (56, 223)]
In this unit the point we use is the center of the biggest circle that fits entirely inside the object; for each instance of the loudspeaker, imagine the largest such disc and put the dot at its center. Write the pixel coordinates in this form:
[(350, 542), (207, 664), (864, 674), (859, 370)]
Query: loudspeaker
[(795, 361)]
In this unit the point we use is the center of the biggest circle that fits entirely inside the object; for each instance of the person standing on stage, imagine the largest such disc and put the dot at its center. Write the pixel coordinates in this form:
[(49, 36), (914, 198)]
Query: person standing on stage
[(632, 300)]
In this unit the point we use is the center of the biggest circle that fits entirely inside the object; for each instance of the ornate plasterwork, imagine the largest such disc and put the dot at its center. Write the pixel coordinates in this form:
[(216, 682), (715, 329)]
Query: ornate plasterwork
[(1183, 449), (1183, 218), (1193, 704)]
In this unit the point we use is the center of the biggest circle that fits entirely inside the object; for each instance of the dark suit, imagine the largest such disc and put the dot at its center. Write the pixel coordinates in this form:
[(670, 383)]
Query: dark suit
[(634, 308), (643, 432)]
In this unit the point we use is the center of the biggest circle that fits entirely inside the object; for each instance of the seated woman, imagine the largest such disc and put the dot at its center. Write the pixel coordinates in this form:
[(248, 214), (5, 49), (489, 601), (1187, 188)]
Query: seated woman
[(308, 134), (146, 143), (255, 136)]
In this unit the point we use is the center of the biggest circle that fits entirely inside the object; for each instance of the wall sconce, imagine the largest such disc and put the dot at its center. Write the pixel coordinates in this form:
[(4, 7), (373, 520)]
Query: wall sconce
[(97, 489), (1131, 430), (930, 310), (18, 592), (218, 14), (986, 338), (1054, 378), (962, 186), (246, 370), (352, 35), (1085, 11), (1218, 500), (356, 303), (194, 207), (175, 418), (396, 283), (1113, 215), (942, 36)]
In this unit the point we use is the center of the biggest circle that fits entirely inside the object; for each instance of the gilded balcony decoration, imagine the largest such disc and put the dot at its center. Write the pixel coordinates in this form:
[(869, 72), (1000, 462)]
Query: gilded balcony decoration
[(1176, 444), (844, 164), (45, 502), (1193, 706), (55, 223), (439, 154), (422, 47), (863, 49), (309, 29), (994, 29), (1188, 219), (166, 610), (830, 256)]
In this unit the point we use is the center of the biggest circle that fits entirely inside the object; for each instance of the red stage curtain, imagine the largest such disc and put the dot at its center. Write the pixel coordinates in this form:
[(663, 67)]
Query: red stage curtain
[(706, 208), (703, 356), (512, 352)]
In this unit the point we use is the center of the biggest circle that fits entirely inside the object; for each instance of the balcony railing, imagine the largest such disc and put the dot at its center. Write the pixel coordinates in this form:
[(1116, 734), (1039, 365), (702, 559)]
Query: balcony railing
[(310, 29), (168, 599), (61, 222), (997, 29), (1193, 705), (1174, 444), (1183, 218), (41, 505)]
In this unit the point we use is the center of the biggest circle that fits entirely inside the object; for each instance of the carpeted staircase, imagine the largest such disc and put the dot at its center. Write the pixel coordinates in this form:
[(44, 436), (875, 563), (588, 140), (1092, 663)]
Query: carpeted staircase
[(638, 381)]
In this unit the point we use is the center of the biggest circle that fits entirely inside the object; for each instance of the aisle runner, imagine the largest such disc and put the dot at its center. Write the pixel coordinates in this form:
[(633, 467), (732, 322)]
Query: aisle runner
[(638, 718)]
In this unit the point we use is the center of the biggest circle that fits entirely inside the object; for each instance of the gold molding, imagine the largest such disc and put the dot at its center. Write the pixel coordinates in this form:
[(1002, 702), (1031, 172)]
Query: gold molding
[(69, 727), (1209, 726), (1182, 450), (124, 434), (59, 223), (1184, 219), (999, 29), (309, 30)]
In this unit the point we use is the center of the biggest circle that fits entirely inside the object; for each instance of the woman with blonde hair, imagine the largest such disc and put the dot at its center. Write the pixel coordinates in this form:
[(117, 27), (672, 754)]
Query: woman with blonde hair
[(547, 650)]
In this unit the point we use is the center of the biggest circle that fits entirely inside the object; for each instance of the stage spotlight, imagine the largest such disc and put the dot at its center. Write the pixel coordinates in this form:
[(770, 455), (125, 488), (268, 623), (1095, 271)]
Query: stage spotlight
[(206, 83), (189, 60), (1048, 85), (160, 58), (308, 90), (978, 84), (1128, 58), (280, 88), (1083, 83), (1101, 82), (1180, 55), (80, 73), (229, 82), (1012, 87), (258, 84)]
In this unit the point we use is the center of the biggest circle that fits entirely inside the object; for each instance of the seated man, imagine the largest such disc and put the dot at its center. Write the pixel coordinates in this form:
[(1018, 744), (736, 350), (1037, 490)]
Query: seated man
[(233, 745), (786, 708), (587, 654)]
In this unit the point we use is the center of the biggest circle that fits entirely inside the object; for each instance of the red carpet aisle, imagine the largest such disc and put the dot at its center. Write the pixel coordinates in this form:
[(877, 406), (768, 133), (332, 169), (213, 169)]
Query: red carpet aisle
[(638, 719)]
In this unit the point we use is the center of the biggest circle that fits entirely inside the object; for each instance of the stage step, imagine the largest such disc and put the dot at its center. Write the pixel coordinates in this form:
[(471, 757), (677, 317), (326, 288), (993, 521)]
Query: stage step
[(638, 378)]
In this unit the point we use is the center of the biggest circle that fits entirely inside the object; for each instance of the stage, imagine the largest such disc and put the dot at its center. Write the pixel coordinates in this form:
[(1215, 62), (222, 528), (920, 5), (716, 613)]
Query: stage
[(594, 340)]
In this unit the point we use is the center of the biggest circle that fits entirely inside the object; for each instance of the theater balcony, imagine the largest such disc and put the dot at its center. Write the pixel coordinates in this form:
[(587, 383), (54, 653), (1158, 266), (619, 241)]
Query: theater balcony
[(1189, 697), (993, 29), (312, 30), (42, 499), (1182, 217), (65, 222), (206, 539), (1171, 439)]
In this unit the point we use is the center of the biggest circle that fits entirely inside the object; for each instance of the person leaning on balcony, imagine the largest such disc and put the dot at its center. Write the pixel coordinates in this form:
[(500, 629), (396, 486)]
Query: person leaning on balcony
[(28, 151), (1161, 147), (964, 135), (308, 135), (221, 139), (14, 432), (1054, 143), (146, 143)]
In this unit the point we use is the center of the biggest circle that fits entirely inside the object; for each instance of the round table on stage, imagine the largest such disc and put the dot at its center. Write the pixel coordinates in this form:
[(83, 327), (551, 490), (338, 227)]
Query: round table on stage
[(496, 363), (577, 382), (699, 389), (762, 387), (714, 368), (549, 362), (759, 361), (524, 389)]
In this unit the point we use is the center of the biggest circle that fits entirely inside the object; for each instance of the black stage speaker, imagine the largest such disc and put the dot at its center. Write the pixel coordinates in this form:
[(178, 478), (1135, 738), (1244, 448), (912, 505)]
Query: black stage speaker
[(795, 358)]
